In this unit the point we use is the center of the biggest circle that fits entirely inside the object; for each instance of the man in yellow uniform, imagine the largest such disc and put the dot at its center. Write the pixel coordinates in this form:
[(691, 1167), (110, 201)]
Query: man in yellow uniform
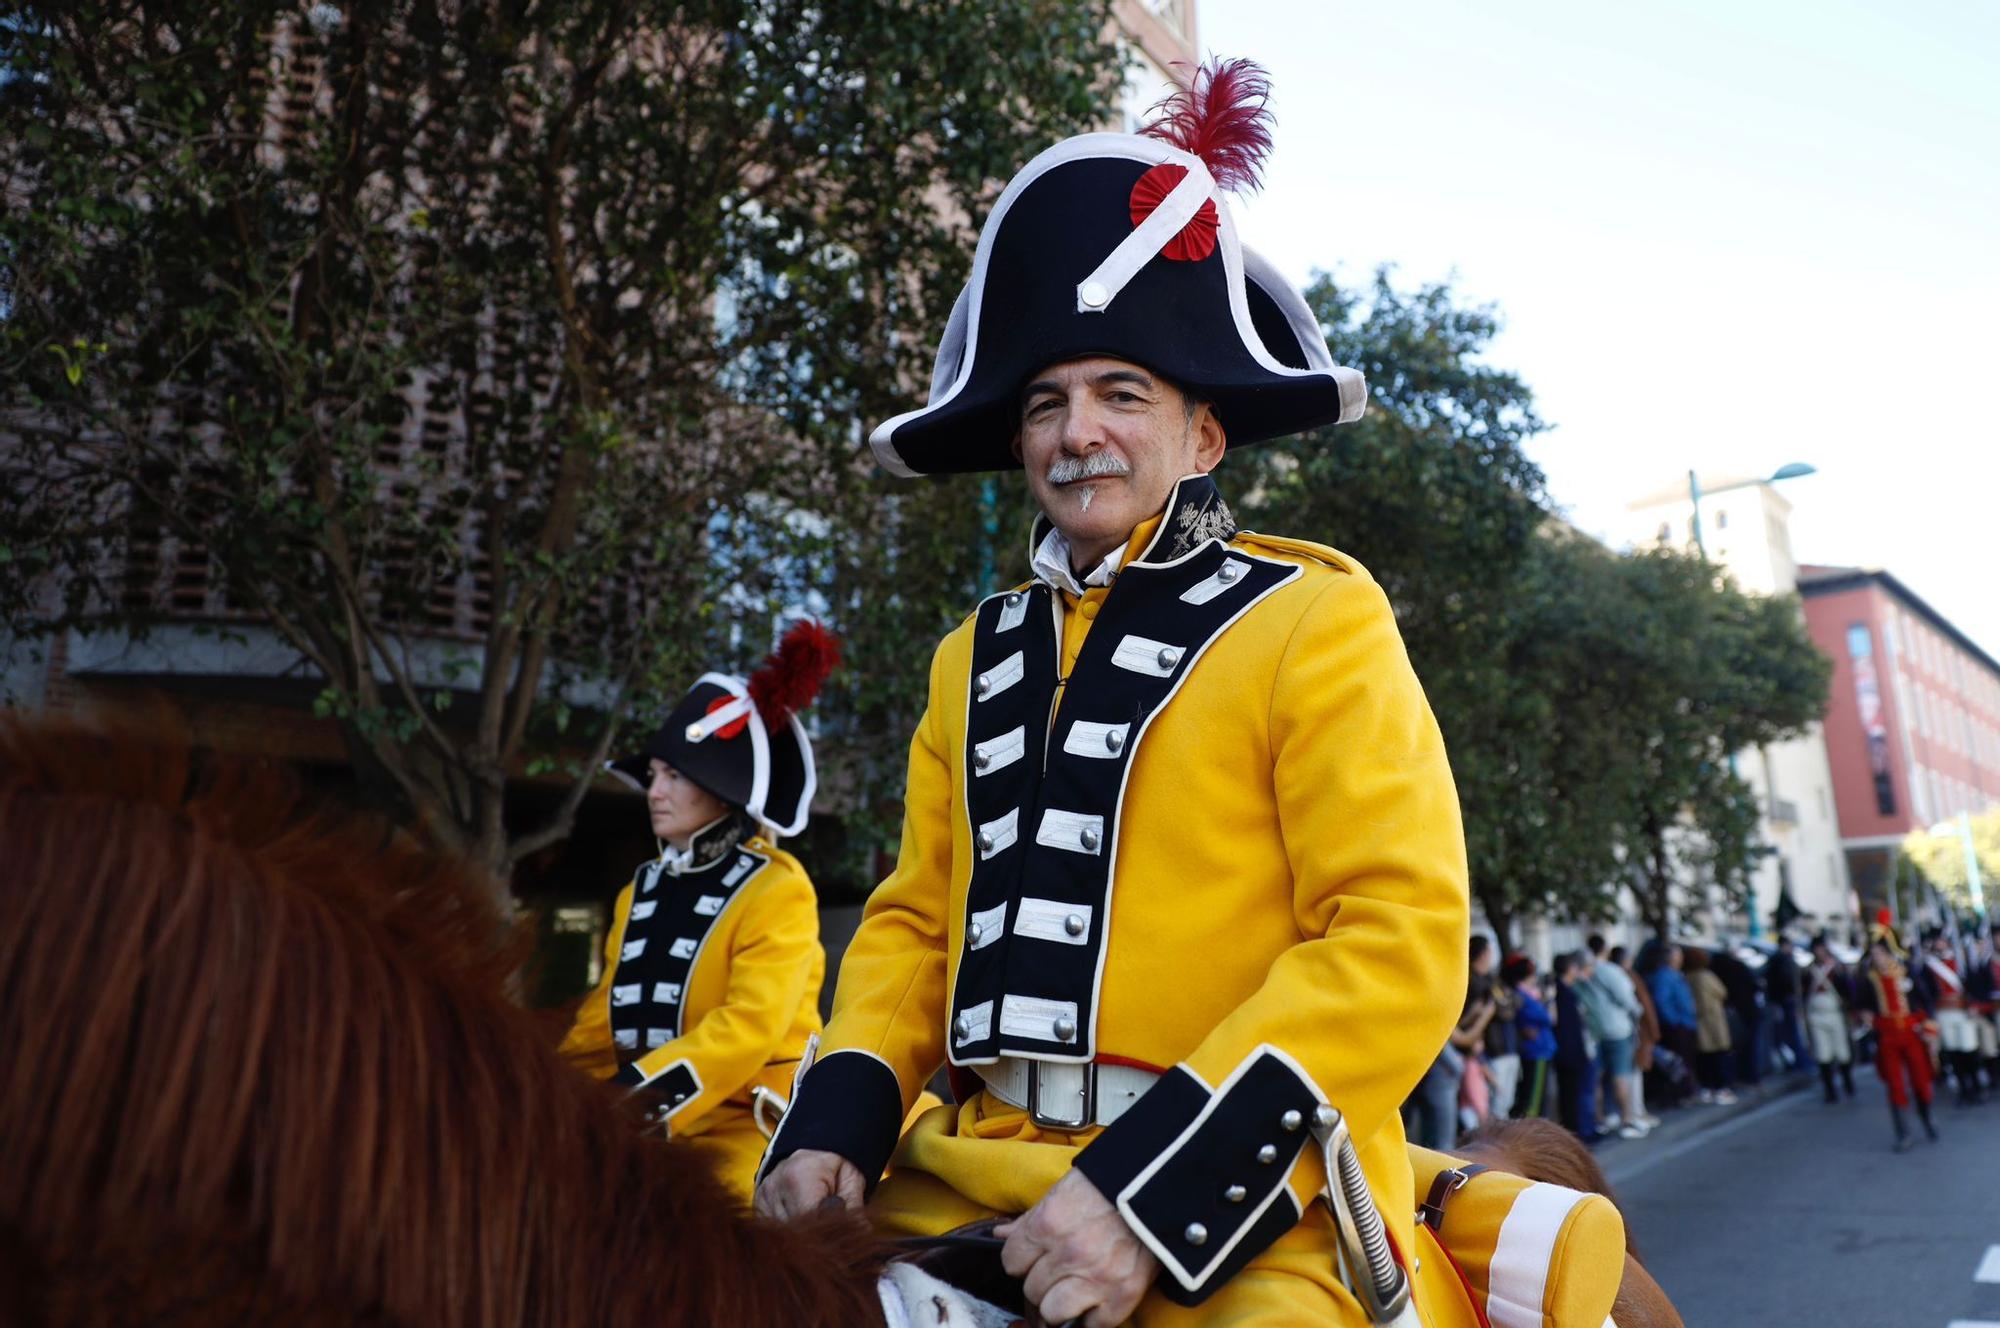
[(713, 963), (1181, 858)]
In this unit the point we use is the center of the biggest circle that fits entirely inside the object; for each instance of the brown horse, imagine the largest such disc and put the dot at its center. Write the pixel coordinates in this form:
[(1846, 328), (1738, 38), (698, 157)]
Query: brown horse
[(258, 1064)]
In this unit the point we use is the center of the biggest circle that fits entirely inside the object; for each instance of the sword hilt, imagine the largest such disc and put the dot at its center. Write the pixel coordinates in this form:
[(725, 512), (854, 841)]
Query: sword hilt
[(1371, 1269)]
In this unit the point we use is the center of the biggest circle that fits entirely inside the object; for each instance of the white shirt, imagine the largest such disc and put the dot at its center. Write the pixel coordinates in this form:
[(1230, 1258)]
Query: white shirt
[(1051, 564)]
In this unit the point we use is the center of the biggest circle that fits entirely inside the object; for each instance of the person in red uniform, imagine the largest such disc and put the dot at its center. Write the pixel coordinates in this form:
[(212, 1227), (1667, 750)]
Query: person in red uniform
[(1942, 985), (1901, 1057)]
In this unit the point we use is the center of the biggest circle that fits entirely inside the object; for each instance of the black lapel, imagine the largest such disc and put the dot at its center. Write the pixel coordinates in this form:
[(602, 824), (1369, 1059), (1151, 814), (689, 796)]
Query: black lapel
[(1043, 806), (669, 924)]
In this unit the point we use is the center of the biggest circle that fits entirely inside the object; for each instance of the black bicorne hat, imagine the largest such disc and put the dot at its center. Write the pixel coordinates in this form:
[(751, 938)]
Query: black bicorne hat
[(1122, 245), (742, 739)]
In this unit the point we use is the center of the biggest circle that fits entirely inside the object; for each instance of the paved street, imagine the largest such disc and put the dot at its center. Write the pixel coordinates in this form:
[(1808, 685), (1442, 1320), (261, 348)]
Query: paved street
[(1794, 1212)]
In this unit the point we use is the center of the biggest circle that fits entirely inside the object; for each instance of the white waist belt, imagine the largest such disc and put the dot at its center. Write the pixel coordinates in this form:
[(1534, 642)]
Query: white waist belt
[(1056, 1092)]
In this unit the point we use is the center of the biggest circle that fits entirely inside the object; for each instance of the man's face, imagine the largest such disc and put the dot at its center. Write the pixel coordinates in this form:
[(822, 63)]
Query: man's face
[(1103, 442)]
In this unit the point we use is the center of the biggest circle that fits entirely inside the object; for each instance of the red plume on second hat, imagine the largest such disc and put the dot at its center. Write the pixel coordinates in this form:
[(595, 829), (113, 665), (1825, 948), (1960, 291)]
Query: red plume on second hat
[(790, 679)]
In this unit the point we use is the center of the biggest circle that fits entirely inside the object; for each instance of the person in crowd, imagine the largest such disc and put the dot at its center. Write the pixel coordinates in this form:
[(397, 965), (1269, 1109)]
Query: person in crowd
[(1901, 1058), (1502, 1051), (1829, 999), (1433, 1107), (712, 971), (1475, 1097), (1945, 992), (1743, 1014), (1781, 1004), (1576, 1058), (1613, 1011), (1711, 1015), (1646, 1038), (1535, 1035), (1985, 988), (1674, 1001)]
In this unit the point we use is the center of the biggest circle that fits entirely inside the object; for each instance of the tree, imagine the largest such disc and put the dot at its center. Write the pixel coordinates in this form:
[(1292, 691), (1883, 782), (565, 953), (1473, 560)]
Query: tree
[(1432, 489), (1942, 861), (483, 352), (1722, 671)]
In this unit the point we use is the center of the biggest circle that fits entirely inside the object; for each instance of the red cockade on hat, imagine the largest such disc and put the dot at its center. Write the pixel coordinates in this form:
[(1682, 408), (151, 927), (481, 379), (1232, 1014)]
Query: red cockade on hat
[(1223, 116)]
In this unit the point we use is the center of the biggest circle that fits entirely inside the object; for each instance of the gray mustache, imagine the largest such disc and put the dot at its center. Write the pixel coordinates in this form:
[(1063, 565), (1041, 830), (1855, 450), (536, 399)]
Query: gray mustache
[(1091, 466)]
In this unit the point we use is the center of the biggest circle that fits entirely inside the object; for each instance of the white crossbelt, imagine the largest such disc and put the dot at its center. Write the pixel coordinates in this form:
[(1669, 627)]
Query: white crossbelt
[(1060, 1093)]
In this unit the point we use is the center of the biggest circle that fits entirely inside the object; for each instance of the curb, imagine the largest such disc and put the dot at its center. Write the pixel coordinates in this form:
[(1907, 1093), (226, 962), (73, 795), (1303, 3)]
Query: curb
[(1625, 1159)]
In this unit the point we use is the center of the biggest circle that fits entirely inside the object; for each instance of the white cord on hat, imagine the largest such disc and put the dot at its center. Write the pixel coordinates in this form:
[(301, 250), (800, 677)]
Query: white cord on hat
[(1095, 292)]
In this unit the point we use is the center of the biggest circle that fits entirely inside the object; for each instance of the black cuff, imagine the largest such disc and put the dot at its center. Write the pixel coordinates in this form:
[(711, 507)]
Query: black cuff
[(848, 1103), (667, 1093), (1201, 1177)]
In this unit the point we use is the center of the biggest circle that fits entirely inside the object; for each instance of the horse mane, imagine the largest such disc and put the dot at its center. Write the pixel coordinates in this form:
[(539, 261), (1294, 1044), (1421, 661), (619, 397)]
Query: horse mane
[(260, 1063)]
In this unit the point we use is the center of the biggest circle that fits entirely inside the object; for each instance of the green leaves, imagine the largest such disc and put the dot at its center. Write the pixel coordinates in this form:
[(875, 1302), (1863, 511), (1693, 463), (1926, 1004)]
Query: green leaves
[(1589, 701)]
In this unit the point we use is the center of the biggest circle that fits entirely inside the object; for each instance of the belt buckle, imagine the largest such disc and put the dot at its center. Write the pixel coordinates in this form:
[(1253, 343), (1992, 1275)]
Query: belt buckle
[(1083, 1120)]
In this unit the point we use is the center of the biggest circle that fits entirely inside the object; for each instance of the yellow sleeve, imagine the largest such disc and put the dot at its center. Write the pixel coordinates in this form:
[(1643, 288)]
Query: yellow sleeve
[(1350, 1016), (1370, 820), (589, 1040), (886, 1037), (777, 945)]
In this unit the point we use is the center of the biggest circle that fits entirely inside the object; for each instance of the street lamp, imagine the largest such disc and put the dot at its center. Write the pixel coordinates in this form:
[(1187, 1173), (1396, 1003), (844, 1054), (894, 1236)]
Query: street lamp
[(1790, 471)]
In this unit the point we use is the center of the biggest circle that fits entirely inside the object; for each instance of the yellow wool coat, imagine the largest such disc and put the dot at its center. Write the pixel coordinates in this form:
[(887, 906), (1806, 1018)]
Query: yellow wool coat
[(1286, 919), (744, 997)]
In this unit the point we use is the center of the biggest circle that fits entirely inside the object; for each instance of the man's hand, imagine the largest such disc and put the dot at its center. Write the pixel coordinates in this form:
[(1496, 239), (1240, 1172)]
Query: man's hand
[(807, 1181), (1077, 1257)]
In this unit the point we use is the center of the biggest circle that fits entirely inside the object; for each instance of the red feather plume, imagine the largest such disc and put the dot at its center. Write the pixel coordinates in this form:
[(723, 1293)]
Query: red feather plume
[(787, 682), (1222, 116)]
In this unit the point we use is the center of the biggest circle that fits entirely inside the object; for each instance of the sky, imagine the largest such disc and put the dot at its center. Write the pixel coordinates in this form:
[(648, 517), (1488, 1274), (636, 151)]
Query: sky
[(1723, 235)]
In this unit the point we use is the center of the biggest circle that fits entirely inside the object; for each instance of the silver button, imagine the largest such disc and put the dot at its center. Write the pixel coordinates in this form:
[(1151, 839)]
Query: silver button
[(1089, 840), (1324, 1117), (1196, 1234), (1114, 738), (680, 1098), (1229, 572), (1065, 1029), (985, 841), (1268, 1154), (1169, 657), (1073, 924), (982, 684), (1094, 295), (1235, 1194), (1014, 599), (1291, 1120), (978, 931), (981, 760), (962, 1026)]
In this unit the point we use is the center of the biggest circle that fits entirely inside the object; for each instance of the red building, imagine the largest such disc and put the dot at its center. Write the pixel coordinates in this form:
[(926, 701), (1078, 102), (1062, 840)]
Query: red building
[(1913, 728)]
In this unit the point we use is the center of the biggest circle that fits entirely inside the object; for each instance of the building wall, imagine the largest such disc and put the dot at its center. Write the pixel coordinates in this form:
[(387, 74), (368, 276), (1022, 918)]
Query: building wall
[(1747, 532), (1940, 707), (1847, 627)]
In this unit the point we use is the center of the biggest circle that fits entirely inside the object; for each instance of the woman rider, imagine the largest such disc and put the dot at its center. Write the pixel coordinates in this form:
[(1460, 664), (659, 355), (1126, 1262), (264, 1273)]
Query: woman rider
[(713, 963)]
